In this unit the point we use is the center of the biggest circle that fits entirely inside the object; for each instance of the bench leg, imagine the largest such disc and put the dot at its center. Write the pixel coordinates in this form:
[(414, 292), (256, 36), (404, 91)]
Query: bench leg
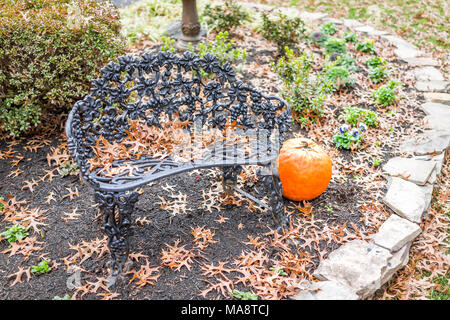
[(116, 208), (273, 182), (230, 175)]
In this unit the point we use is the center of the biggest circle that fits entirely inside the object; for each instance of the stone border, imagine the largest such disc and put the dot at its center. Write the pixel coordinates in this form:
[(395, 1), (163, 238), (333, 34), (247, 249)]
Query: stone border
[(358, 268)]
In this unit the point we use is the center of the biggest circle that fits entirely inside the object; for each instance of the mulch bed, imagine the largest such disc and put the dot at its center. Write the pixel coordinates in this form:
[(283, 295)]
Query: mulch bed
[(188, 242)]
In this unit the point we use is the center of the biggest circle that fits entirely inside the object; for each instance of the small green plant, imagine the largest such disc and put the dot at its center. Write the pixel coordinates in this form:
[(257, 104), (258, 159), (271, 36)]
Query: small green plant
[(225, 17), (385, 95), (376, 162), (329, 208), (350, 36), (168, 45), (335, 45), (378, 74), (329, 28), (41, 268), (340, 77), (280, 271), (355, 115), (375, 62), (15, 233), (2, 206), (66, 297), (344, 60), (303, 90), (284, 31), (349, 139), (318, 37), (224, 50), (244, 295), (68, 168), (367, 46)]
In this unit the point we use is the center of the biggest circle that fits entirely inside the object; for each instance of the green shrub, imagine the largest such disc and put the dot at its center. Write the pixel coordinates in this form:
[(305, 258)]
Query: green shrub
[(385, 95), (335, 45), (350, 36), (367, 46), (49, 52), (225, 17), (303, 90), (329, 28), (168, 45), (224, 50), (345, 61), (318, 38), (349, 139), (284, 31), (355, 115), (340, 77), (378, 74), (375, 62)]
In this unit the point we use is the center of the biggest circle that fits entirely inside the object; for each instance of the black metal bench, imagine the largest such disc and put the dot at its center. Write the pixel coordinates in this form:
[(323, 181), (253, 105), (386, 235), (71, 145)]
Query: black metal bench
[(160, 86)]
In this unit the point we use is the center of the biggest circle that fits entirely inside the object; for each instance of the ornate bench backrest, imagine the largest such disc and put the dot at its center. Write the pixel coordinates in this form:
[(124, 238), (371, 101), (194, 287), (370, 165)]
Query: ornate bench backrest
[(155, 86)]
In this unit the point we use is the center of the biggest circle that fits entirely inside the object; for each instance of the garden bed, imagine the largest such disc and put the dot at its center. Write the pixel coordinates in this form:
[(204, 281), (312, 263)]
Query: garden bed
[(189, 242)]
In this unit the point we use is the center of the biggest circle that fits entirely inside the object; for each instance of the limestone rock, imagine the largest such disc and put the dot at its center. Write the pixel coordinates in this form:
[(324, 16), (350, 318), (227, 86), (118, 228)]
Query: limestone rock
[(405, 50), (435, 122), (325, 290), (312, 16), (406, 199), (350, 23), (357, 264), (430, 142), (428, 74), (370, 31), (398, 260), (422, 61), (417, 171), (438, 97), (433, 86), (395, 232), (436, 109)]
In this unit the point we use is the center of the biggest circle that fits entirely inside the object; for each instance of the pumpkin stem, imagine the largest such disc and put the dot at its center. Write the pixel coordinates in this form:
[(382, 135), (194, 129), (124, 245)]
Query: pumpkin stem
[(303, 145)]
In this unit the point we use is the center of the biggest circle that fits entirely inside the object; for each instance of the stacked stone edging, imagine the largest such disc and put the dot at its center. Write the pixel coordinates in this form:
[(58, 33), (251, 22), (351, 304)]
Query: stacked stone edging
[(358, 268)]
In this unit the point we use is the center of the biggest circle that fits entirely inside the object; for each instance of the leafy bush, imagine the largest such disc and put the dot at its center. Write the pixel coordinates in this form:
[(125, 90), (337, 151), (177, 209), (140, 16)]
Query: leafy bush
[(329, 28), (340, 77), (225, 17), (385, 95), (303, 90), (350, 36), (224, 50), (349, 139), (318, 38), (367, 46), (345, 61), (168, 45), (375, 62), (284, 31), (378, 74), (355, 115), (49, 52), (335, 45)]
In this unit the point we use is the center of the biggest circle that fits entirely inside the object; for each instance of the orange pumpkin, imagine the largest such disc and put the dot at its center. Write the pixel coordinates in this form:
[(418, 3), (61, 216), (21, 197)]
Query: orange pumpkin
[(304, 169)]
